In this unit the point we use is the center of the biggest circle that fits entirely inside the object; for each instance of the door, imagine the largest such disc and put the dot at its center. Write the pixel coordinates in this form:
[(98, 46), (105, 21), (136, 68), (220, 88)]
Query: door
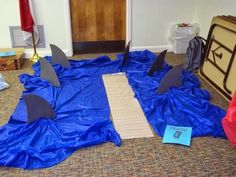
[(98, 25)]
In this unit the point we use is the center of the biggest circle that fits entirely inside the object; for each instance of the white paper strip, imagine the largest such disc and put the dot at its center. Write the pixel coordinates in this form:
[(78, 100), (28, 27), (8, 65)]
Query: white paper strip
[(127, 114)]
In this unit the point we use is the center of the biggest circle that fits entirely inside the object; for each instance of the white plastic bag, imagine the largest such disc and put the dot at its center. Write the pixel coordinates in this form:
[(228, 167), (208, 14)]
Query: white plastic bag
[(186, 32), (180, 36), (3, 84)]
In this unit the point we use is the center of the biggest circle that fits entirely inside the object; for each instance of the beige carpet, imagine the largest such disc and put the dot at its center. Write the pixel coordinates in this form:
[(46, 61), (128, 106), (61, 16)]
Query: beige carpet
[(126, 112)]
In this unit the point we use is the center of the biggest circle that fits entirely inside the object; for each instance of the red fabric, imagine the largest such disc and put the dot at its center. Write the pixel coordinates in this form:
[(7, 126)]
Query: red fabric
[(231, 112), (229, 122), (230, 131), (27, 21)]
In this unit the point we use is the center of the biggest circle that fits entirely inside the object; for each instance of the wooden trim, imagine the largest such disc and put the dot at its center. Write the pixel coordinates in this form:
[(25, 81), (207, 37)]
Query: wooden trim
[(98, 47), (229, 18), (129, 22), (68, 27), (228, 70)]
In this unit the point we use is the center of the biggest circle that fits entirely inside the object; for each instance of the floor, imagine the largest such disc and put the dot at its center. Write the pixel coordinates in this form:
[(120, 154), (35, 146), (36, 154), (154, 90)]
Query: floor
[(207, 156)]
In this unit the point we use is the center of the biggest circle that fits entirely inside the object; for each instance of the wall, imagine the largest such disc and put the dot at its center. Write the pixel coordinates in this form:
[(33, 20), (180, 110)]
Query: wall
[(149, 21), (152, 19), (51, 14), (206, 9), (8, 17)]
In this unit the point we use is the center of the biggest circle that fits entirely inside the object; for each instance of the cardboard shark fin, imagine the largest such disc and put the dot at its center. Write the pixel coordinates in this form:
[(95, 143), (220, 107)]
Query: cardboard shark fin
[(173, 78), (48, 73), (126, 54), (58, 56), (158, 63), (37, 108)]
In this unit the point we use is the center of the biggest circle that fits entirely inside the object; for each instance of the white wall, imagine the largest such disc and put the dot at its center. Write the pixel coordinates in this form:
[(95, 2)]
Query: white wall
[(152, 19), (50, 13), (206, 9), (8, 17)]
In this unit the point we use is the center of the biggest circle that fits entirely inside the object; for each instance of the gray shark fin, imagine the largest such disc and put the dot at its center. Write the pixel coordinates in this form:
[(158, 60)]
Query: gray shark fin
[(173, 78), (58, 56), (48, 73), (37, 108), (158, 63), (126, 54)]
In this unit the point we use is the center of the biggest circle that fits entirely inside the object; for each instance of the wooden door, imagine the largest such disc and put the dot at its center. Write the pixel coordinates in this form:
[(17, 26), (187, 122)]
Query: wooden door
[(98, 25)]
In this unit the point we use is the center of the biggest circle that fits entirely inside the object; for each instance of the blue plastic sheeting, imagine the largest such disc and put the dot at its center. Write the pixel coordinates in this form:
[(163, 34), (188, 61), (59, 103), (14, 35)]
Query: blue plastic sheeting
[(83, 114), (187, 106)]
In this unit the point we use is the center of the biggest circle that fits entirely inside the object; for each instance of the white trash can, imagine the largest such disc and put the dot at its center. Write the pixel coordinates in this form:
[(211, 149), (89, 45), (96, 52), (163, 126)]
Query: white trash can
[(180, 36)]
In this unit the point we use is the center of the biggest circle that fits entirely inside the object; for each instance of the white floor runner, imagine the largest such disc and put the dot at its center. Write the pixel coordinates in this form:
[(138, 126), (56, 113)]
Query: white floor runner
[(127, 115)]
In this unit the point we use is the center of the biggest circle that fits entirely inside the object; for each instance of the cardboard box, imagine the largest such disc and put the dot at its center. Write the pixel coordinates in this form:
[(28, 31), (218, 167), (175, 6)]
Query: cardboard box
[(12, 62), (219, 65)]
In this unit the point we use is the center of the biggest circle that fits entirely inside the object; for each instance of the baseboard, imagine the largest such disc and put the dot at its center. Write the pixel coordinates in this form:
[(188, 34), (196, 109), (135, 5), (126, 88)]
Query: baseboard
[(155, 48), (29, 53), (113, 46)]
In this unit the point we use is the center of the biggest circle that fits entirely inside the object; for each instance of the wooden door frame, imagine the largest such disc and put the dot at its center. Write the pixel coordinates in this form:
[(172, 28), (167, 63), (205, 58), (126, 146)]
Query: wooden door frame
[(69, 30)]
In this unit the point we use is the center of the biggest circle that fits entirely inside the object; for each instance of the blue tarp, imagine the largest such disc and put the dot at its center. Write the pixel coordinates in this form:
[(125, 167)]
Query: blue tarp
[(83, 114)]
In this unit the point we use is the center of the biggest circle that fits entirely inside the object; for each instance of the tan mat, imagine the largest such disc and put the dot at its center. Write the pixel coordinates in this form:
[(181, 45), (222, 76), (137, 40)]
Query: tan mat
[(127, 115)]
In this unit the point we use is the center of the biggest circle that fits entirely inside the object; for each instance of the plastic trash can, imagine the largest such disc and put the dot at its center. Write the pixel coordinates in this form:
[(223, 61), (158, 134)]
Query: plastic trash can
[(180, 36)]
